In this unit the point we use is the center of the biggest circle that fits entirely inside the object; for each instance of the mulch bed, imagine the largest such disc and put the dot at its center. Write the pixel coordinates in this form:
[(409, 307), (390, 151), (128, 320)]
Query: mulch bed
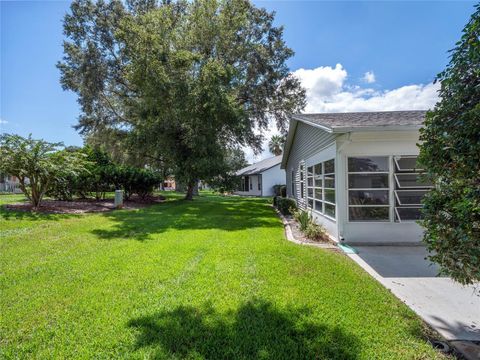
[(82, 206)]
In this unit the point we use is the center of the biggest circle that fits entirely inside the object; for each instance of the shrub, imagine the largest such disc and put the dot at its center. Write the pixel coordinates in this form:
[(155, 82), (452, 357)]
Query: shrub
[(308, 226), (145, 182), (62, 189), (280, 190), (315, 231), (134, 181), (95, 178), (276, 190), (303, 218), (450, 154), (286, 205)]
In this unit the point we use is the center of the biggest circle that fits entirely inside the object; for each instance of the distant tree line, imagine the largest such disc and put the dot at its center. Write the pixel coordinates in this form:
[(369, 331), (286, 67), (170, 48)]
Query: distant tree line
[(50, 169)]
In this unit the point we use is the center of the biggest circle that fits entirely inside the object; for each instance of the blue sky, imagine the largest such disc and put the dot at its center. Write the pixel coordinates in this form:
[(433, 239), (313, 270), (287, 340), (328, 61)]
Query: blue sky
[(349, 55)]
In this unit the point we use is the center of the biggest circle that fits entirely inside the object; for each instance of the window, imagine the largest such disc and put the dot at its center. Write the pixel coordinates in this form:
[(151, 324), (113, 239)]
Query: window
[(259, 182), (410, 187), (251, 185), (321, 188), (244, 185), (368, 188)]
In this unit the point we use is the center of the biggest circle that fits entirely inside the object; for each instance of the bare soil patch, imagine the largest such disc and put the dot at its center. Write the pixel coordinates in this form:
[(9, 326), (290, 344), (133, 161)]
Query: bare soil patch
[(81, 206)]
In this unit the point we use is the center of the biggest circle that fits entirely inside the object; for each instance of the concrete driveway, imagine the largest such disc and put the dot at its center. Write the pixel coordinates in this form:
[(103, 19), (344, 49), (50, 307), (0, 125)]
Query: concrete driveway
[(452, 309)]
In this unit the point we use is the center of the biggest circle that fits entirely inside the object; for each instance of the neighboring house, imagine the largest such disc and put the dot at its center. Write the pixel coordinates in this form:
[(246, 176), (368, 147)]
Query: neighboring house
[(9, 184), (258, 179), (169, 183), (203, 185), (357, 173)]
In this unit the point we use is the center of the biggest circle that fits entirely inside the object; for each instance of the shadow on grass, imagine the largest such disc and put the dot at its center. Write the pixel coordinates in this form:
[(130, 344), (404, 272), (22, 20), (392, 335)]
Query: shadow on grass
[(205, 212), (256, 330), (12, 215)]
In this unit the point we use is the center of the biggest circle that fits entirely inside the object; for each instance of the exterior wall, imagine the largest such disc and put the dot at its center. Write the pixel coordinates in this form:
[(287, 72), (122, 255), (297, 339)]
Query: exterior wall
[(310, 145), (254, 188), (370, 144), (271, 177), (308, 141)]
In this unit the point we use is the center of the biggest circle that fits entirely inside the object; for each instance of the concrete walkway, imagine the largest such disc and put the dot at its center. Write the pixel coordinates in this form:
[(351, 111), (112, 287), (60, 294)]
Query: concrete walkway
[(450, 308)]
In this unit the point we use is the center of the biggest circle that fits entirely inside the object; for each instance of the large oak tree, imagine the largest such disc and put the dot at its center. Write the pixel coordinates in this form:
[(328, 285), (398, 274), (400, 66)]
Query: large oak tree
[(185, 81)]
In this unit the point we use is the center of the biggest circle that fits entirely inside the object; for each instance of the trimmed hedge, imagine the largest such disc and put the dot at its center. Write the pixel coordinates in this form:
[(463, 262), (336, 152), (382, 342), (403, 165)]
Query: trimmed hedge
[(284, 205), (280, 190)]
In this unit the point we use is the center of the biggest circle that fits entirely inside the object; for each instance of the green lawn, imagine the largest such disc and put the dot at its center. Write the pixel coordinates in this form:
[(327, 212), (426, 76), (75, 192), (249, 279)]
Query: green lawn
[(212, 278)]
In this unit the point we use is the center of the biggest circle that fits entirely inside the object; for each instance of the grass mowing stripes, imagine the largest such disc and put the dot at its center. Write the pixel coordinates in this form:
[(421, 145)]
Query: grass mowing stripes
[(209, 279)]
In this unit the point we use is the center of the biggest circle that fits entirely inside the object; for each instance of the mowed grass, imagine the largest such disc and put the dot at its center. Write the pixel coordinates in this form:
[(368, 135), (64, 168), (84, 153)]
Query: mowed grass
[(209, 279)]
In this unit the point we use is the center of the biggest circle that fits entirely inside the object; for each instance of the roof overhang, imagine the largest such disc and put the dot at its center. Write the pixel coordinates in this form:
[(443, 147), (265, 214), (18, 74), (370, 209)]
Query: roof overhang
[(292, 128), (243, 172)]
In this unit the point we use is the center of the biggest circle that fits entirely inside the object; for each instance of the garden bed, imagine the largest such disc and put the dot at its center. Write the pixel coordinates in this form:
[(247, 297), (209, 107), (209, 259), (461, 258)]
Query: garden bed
[(80, 206), (300, 237)]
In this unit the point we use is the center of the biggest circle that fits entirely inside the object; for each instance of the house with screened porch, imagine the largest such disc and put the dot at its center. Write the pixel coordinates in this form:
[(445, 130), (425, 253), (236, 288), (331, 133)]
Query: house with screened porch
[(357, 174)]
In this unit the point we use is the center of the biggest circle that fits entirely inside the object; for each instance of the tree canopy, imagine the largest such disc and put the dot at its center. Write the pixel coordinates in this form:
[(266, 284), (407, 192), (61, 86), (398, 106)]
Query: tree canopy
[(450, 152), (229, 181), (184, 82)]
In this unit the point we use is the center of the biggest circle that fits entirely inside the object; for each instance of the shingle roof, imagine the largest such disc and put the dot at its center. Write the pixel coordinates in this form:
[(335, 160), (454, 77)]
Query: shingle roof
[(342, 122), (260, 166), (355, 121)]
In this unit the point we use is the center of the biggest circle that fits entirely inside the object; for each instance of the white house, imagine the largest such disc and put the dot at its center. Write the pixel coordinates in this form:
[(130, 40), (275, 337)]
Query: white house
[(357, 173), (258, 179)]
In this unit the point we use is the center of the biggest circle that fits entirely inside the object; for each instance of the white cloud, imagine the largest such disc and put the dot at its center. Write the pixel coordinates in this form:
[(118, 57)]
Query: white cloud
[(322, 81), (369, 77), (344, 98), (328, 91), (3, 121)]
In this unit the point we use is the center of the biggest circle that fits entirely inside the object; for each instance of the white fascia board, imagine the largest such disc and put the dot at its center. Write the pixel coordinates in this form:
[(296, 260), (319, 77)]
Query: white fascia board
[(376, 128)]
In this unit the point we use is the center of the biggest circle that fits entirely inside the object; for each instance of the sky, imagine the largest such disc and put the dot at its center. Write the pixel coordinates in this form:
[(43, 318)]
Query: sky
[(350, 56)]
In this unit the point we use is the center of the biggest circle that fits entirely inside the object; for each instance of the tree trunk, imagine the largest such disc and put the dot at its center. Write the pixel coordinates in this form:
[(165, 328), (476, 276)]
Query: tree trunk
[(190, 188), (35, 198)]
